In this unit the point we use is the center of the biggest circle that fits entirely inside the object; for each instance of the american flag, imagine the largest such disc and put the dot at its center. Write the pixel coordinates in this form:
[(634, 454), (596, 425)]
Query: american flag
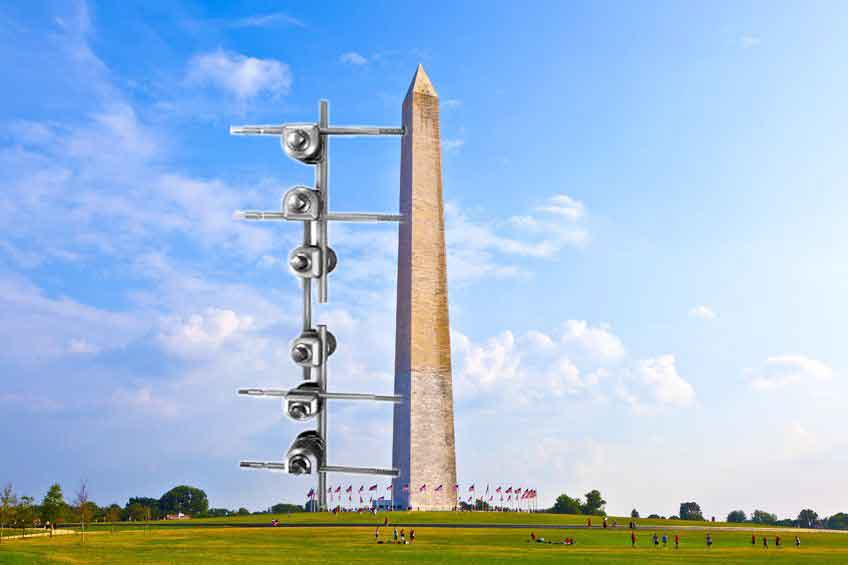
[(405, 488), (311, 493), (339, 488), (471, 488), (329, 489), (455, 487), (487, 489), (498, 490), (422, 488), (438, 488), (349, 489), (389, 487), (361, 488), (509, 491), (372, 487)]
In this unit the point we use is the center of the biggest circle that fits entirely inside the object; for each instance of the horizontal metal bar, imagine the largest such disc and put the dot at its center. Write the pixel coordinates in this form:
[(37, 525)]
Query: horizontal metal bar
[(360, 130), (276, 393), (362, 217), (269, 465), (362, 396), (334, 130), (358, 470), (256, 130)]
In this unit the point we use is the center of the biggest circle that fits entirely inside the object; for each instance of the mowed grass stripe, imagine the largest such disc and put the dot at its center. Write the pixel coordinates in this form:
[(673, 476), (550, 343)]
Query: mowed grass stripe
[(432, 545)]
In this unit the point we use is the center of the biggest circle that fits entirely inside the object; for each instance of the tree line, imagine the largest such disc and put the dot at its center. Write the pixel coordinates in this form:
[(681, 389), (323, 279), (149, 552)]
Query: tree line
[(593, 505), (22, 512)]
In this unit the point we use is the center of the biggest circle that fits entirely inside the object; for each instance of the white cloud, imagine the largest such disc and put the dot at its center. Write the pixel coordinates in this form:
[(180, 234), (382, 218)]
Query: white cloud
[(353, 58), (514, 372), (452, 144), (748, 41), (450, 103), (201, 333), (702, 312), (244, 77), (267, 20), (565, 206), (598, 341), (660, 375), (784, 371), (82, 346)]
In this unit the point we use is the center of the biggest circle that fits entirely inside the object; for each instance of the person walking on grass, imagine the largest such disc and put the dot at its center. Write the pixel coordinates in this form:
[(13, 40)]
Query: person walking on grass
[(753, 540), (776, 541), (632, 538), (377, 534), (765, 542), (676, 541), (709, 541), (411, 536), (656, 540), (395, 536), (665, 541), (797, 542), (402, 537)]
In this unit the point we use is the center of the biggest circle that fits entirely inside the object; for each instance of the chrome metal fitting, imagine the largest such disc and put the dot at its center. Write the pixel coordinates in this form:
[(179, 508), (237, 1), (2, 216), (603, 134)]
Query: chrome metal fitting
[(308, 351), (305, 454), (305, 261), (302, 142), (301, 203), (304, 402)]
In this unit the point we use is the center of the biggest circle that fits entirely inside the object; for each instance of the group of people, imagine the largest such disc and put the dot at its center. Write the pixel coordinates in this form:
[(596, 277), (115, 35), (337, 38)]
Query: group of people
[(777, 541), (565, 541), (396, 537)]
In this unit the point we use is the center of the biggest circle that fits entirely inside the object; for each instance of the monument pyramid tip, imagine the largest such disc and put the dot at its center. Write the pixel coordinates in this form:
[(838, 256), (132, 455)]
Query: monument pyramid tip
[(421, 83)]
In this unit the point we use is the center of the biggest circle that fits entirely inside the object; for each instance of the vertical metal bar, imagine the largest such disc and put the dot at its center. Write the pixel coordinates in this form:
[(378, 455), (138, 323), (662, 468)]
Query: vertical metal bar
[(322, 171), (322, 416)]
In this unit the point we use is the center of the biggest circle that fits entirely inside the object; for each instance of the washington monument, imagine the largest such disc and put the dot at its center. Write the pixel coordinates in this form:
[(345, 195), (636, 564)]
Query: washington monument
[(423, 451)]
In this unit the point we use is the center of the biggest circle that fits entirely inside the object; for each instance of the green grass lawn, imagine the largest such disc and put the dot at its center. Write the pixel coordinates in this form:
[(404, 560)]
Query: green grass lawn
[(432, 545)]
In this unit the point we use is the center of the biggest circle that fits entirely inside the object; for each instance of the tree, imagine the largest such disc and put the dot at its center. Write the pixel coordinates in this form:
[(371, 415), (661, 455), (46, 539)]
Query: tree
[(185, 499), (113, 514), (690, 511), (283, 508), (243, 512), (838, 521), (737, 516), (594, 503), (83, 507), (53, 505), (655, 517), (8, 501), (151, 503), (634, 513), (137, 512), (808, 518), (763, 517), (566, 505), (25, 513)]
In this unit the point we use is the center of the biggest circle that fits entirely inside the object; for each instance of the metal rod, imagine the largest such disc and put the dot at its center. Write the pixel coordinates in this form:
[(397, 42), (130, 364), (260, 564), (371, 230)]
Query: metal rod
[(358, 470), (260, 216), (270, 465), (322, 416), (276, 393), (322, 171), (363, 217), (359, 130), (335, 130)]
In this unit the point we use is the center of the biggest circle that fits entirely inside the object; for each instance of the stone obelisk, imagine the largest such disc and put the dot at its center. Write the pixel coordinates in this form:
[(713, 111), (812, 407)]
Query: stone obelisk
[(423, 449)]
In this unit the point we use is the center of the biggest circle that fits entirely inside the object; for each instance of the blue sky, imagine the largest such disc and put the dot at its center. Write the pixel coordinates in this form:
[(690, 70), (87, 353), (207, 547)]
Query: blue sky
[(645, 219)]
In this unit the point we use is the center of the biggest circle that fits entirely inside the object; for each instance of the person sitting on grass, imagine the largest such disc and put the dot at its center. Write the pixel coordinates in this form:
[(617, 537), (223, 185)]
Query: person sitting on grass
[(532, 536), (402, 536)]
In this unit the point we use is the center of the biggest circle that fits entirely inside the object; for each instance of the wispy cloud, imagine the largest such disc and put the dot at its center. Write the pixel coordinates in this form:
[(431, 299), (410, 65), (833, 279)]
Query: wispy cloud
[(353, 58), (267, 20), (748, 41), (242, 76), (789, 371), (453, 144), (702, 312)]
